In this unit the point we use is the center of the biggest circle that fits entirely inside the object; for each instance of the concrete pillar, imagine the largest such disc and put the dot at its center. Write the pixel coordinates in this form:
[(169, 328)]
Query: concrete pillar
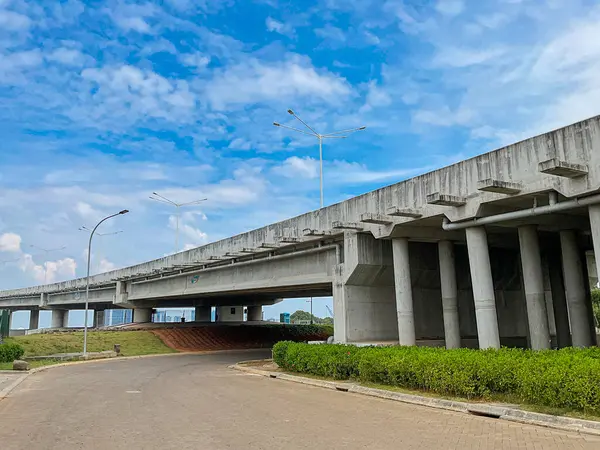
[(594, 212), (483, 288), (58, 317), (574, 285), (254, 313), (230, 313), (202, 313), (99, 318), (449, 294), (559, 301), (142, 315), (11, 316), (404, 300), (34, 319), (533, 278)]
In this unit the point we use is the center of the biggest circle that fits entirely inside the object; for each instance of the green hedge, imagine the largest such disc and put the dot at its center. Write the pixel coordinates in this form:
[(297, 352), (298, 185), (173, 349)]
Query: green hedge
[(568, 378), (10, 352)]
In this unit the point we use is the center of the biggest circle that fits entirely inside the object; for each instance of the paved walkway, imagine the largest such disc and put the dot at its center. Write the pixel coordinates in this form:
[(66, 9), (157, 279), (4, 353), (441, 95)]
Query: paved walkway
[(6, 379), (195, 402)]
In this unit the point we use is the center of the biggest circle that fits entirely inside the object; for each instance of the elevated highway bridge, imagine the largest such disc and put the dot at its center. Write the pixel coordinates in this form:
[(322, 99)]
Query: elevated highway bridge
[(484, 252)]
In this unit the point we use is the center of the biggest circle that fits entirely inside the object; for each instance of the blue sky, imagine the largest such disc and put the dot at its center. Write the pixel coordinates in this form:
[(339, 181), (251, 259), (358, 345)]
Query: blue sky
[(102, 103)]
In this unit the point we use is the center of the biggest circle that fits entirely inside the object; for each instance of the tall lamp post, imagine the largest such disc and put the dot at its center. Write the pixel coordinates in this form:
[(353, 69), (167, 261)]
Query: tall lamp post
[(99, 258), (162, 199), (46, 251), (342, 134), (87, 281)]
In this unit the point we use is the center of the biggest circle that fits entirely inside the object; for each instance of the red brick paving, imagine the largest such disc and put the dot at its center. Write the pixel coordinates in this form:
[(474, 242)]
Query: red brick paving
[(200, 338)]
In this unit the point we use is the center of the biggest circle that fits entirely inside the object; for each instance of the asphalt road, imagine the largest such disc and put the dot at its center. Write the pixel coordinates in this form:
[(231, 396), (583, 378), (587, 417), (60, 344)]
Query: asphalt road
[(195, 402)]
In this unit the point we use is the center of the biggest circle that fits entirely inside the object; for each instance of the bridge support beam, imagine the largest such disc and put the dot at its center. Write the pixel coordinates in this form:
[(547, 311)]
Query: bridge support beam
[(404, 297), (60, 318), (483, 288), (202, 313), (559, 300), (34, 319), (574, 285), (99, 318), (254, 313), (230, 313), (533, 278), (364, 303), (142, 315), (449, 294)]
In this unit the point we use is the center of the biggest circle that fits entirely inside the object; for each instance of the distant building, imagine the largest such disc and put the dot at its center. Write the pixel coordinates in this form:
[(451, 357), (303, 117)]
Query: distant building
[(118, 317)]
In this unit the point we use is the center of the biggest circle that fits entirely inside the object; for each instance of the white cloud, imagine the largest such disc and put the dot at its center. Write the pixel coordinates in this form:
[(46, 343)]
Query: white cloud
[(67, 56), (295, 167), (197, 60), (331, 33), (13, 21), (10, 242), (376, 97), (255, 81), (345, 172), (444, 116), (126, 94), (240, 144), (463, 57), (50, 271), (106, 266), (279, 27), (86, 211), (450, 7)]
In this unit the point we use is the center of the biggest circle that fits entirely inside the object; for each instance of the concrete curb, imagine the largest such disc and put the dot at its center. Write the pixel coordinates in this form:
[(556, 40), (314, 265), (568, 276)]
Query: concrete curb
[(480, 409), (6, 391)]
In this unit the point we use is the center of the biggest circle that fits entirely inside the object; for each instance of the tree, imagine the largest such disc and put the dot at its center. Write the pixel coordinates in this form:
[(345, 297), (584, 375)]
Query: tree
[(302, 315)]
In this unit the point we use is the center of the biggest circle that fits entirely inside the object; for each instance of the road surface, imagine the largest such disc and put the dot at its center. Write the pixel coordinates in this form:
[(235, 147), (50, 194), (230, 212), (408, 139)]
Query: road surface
[(195, 402)]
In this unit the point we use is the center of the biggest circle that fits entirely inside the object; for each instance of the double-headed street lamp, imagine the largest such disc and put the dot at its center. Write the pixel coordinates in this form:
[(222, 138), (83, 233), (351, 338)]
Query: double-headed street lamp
[(46, 251), (162, 199), (87, 281), (342, 134)]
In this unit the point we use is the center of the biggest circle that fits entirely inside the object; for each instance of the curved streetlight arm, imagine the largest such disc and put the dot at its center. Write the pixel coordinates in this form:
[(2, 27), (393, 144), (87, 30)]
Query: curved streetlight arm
[(295, 129), (303, 122), (87, 281), (163, 201), (351, 130), (164, 198), (195, 202)]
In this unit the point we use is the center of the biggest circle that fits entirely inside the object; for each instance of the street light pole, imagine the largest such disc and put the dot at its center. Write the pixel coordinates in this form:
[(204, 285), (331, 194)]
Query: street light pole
[(46, 251), (87, 281), (162, 199), (342, 134)]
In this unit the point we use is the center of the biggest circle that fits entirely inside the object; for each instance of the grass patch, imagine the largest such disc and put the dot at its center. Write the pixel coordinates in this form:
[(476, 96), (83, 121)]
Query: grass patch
[(132, 343)]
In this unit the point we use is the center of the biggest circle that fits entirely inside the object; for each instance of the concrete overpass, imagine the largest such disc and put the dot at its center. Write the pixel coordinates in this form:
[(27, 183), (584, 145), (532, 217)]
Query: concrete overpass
[(487, 251)]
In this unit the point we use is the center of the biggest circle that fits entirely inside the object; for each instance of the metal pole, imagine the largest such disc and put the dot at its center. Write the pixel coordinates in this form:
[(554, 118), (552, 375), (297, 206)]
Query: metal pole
[(311, 313), (177, 229), (87, 281), (321, 169)]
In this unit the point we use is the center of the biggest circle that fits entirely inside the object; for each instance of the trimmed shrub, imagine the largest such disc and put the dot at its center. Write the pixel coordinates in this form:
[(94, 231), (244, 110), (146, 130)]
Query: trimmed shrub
[(567, 378), (10, 352)]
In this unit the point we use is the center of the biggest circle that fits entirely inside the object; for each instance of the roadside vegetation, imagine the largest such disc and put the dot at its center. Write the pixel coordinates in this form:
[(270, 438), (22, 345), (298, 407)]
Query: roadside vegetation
[(132, 343), (567, 379)]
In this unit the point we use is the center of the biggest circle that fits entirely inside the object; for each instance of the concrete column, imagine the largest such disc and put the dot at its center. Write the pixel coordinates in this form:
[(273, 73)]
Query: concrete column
[(99, 318), (11, 316), (58, 318), (142, 315), (404, 300), (483, 288), (449, 294), (594, 212), (254, 313), (574, 285), (533, 278), (559, 301), (202, 313), (34, 319), (230, 313)]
